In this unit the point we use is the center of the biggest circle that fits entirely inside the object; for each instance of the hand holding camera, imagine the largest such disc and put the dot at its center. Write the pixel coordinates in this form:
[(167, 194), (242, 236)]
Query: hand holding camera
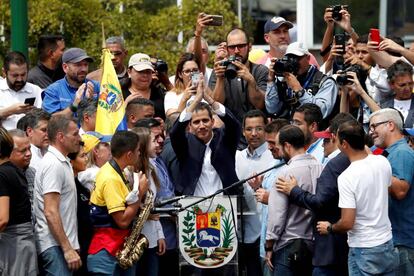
[(353, 83)]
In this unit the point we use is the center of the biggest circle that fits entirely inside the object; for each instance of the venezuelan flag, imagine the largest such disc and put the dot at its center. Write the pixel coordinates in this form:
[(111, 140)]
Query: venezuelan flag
[(111, 109)]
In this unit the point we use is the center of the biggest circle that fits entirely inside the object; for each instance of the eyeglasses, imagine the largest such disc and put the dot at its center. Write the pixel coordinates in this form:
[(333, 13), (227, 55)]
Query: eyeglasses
[(189, 71), (118, 53), (238, 46), (372, 127), (257, 129)]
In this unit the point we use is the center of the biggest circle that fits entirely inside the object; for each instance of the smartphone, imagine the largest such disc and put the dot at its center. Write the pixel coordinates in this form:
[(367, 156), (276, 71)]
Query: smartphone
[(375, 35), (340, 39), (30, 101), (195, 78), (217, 20)]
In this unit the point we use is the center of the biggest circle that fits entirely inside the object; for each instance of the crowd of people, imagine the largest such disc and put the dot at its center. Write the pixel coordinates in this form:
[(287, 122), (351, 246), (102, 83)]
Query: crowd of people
[(339, 203)]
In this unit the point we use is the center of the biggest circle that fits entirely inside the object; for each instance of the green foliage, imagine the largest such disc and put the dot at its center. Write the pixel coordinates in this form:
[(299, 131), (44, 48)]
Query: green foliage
[(188, 229), (227, 231), (148, 26)]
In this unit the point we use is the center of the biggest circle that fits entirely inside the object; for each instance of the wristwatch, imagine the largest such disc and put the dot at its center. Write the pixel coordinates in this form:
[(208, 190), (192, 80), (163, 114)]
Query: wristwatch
[(329, 228), (268, 249), (299, 93)]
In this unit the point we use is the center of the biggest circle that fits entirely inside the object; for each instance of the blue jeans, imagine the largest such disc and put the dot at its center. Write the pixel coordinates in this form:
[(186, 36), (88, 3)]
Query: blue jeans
[(406, 258), (284, 265), (329, 270), (52, 262), (381, 259), (103, 263)]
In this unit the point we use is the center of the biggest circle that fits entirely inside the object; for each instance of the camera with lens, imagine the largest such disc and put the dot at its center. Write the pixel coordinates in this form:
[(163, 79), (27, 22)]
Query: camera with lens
[(344, 79), (336, 11), (160, 65), (231, 69), (287, 64)]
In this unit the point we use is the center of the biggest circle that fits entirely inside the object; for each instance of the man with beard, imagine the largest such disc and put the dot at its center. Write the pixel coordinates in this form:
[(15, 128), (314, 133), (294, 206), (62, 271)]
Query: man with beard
[(308, 118), (17, 95), (276, 34), (246, 90), (63, 96), (289, 229), (298, 82)]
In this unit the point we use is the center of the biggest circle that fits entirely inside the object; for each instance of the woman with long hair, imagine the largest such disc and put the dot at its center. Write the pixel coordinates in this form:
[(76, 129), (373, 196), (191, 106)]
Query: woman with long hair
[(148, 264), (176, 99)]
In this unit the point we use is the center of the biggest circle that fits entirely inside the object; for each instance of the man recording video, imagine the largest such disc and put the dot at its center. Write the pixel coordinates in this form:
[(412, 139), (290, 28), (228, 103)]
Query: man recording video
[(292, 81)]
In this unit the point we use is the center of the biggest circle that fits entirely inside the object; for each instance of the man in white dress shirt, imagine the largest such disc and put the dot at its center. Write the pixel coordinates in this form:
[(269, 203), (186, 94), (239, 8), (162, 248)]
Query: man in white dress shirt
[(17, 95)]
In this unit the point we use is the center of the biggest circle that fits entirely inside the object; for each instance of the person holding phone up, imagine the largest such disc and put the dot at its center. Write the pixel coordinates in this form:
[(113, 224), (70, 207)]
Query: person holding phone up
[(17, 95)]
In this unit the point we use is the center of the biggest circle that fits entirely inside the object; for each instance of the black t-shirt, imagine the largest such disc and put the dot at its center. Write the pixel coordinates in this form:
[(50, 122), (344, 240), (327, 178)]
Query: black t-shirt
[(13, 184), (157, 97)]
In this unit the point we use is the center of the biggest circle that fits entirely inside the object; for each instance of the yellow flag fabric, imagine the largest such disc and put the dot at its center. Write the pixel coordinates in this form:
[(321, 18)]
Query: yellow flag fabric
[(111, 109)]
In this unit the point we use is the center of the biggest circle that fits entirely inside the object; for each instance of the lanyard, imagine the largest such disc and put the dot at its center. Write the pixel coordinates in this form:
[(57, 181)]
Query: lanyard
[(116, 167)]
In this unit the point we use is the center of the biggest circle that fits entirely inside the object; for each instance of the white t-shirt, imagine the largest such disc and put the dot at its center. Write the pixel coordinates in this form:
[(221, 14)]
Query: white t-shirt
[(172, 100), (55, 175), (403, 106), (364, 186)]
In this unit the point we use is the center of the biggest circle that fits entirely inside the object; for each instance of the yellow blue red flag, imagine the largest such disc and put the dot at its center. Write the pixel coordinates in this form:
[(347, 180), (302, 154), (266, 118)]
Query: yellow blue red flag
[(111, 109)]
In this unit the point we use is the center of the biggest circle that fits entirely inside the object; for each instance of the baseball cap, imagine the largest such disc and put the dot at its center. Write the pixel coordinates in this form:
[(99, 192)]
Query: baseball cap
[(408, 131), (298, 49), (323, 134), (275, 22), (74, 55), (140, 62), (92, 138)]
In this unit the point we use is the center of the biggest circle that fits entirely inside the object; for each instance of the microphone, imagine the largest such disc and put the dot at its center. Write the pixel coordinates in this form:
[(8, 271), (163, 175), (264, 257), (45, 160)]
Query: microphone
[(168, 201), (157, 210)]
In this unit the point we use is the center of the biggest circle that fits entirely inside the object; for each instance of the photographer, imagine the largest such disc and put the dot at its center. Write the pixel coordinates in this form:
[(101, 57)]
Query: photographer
[(236, 82), (302, 83)]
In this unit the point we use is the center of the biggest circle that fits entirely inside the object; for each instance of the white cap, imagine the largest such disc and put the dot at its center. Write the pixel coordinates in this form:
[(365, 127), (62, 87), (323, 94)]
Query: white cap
[(298, 49), (140, 62)]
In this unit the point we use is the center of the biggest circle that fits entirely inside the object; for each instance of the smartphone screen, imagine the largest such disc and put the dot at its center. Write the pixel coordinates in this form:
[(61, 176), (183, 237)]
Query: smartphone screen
[(375, 35), (30, 101), (195, 78)]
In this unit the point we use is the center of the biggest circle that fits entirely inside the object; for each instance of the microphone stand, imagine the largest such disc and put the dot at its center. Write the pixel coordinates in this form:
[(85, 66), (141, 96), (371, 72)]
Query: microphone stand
[(235, 184)]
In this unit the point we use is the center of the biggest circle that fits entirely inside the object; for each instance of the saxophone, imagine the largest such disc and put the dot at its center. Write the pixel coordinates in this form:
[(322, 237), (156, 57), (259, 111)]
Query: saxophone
[(136, 243)]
